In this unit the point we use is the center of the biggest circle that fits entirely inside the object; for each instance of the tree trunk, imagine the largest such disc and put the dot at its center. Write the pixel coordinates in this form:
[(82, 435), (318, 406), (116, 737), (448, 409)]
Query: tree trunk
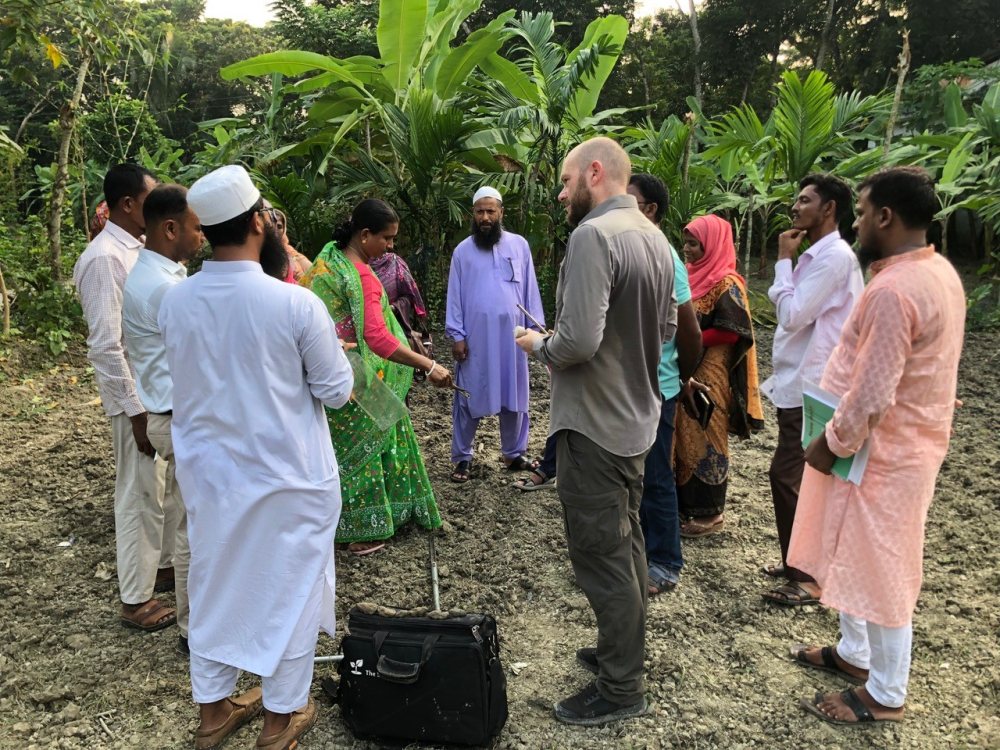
[(67, 121), (901, 71), (824, 40), (696, 38), (6, 305), (749, 240)]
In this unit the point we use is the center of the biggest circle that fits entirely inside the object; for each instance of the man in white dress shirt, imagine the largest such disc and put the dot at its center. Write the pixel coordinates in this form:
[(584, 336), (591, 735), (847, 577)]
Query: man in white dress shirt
[(812, 300), (144, 558), (173, 237), (253, 360)]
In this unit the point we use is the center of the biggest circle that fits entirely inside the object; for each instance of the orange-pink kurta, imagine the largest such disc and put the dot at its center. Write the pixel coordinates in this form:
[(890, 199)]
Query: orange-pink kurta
[(895, 369)]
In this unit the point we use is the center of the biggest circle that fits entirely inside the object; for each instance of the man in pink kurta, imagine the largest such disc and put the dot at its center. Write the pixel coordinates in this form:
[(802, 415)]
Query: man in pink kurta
[(895, 370)]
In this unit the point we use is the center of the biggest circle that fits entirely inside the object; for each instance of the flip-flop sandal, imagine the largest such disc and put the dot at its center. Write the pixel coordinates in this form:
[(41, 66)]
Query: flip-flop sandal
[(245, 707), (798, 654), (367, 550), (463, 469), (861, 712), (527, 485), (697, 529), (521, 464), (783, 595), (656, 586), (150, 617)]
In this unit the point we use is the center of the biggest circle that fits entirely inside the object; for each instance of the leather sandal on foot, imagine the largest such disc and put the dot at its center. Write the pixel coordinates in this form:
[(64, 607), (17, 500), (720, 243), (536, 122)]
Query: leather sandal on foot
[(694, 529), (149, 617), (463, 469), (862, 714), (360, 549), (791, 594), (528, 484), (521, 464), (288, 739), (245, 707), (827, 654)]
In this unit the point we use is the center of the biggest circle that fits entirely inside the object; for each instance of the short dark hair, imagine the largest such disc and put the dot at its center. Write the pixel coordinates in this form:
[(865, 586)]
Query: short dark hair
[(124, 181), (831, 188), (233, 231), (371, 214), (654, 191), (167, 201), (907, 191)]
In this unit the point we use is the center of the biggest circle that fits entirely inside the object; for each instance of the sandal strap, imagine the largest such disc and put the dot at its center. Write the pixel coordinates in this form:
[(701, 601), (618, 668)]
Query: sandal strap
[(859, 709), (826, 654)]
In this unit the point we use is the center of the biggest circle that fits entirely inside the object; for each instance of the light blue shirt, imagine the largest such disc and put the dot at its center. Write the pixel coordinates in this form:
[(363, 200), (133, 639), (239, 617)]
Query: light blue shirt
[(669, 371), (145, 286)]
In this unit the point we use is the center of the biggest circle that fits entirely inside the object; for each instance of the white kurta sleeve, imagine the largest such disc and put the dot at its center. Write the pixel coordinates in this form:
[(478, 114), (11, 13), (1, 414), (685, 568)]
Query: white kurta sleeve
[(328, 372)]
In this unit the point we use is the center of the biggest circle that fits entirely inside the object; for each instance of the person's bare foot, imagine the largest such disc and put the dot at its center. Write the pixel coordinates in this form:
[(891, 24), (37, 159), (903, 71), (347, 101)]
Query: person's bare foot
[(814, 656), (833, 706)]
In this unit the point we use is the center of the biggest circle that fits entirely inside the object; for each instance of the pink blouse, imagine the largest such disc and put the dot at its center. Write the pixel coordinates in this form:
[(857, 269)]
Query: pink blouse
[(376, 334)]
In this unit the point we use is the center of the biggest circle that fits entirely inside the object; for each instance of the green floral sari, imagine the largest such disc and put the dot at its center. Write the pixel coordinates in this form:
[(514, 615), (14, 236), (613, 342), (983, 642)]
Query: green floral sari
[(382, 477)]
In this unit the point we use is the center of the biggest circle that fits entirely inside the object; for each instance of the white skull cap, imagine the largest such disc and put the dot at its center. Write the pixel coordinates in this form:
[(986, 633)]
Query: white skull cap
[(486, 192), (222, 194)]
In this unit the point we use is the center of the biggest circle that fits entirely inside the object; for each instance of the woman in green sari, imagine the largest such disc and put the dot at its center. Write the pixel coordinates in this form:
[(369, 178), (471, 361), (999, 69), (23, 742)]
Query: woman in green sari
[(383, 480)]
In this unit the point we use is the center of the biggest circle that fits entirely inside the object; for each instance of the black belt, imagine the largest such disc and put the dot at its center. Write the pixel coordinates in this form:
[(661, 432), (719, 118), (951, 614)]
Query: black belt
[(167, 413)]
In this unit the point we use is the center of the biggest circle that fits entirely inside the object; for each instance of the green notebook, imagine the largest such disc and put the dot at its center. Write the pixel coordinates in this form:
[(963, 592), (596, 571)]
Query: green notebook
[(818, 407)]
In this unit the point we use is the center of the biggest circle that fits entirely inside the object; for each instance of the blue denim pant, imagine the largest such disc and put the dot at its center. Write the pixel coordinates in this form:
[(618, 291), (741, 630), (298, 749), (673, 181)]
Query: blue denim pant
[(658, 511)]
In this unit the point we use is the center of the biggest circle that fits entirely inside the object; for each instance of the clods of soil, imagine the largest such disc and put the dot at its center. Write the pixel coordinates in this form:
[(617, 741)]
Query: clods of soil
[(717, 669)]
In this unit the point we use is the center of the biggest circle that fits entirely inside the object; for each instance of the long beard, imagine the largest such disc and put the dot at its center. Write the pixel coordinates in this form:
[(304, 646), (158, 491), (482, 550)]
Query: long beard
[(580, 204), (486, 238), (273, 258)]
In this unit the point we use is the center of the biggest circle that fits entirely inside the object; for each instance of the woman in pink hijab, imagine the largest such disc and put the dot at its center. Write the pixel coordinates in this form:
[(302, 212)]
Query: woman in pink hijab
[(728, 367)]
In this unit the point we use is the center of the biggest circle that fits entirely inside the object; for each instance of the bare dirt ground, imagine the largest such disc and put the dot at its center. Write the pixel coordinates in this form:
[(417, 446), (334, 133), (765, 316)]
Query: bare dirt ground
[(717, 670)]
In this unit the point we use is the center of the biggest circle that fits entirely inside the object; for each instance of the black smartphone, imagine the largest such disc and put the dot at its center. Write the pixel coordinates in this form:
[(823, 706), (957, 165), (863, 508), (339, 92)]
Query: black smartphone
[(704, 406)]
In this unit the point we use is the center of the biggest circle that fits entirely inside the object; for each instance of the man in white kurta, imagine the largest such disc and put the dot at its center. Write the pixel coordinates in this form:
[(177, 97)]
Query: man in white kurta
[(253, 362)]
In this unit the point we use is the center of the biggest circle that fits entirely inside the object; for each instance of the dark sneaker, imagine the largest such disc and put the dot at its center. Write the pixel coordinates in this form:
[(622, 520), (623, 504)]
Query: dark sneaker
[(182, 646), (587, 658), (590, 709)]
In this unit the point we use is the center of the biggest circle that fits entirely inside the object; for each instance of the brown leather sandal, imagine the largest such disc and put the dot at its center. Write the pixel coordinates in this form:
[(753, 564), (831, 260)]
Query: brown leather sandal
[(245, 707), (149, 617), (287, 739)]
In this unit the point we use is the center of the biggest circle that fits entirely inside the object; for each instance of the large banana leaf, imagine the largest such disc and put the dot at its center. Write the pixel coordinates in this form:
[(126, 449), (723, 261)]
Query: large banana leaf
[(401, 32), (290, 63), (456, 67), (511, 77), (609, 33)]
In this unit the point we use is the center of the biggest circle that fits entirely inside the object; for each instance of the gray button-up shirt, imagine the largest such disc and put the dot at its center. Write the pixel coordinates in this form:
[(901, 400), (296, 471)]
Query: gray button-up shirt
[(615, 307)]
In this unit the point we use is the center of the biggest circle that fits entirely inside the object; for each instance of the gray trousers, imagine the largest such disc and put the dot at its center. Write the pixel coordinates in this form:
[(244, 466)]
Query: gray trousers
[(600, 494)]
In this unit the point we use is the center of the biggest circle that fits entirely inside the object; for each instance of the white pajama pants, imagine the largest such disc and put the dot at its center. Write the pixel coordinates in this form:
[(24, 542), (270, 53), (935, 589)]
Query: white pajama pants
[(285, 691), (140, 516), (174, 516), (884, 652)]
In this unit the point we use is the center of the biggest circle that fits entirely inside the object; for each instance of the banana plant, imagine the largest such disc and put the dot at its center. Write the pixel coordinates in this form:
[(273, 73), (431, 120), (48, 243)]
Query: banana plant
[(542, 98)]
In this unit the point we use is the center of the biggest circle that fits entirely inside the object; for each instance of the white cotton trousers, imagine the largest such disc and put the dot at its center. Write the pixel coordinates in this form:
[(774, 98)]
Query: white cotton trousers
[(140, 516), (884, 652), (174, 517), (285, 691)]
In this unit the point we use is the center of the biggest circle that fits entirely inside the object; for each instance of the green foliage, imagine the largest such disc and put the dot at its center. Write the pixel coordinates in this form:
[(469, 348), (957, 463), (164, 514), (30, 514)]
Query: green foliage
[(118, 128), (41, 308)]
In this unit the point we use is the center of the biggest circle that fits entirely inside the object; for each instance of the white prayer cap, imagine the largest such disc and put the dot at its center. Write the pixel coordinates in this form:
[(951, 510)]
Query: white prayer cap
[(222, 195), (486, 192)]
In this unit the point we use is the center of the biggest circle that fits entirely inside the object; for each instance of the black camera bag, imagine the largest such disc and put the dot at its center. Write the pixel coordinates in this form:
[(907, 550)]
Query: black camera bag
[(420, 679)]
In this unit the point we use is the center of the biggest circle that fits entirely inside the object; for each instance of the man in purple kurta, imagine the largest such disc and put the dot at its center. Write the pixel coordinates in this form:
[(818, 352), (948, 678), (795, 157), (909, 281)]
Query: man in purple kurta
[(491, 274)]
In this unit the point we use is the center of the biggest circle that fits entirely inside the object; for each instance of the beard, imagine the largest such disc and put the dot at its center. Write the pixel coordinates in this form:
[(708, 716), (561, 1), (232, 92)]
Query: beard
[(486, 236), (867, 255), (273, 258), (580, 204)]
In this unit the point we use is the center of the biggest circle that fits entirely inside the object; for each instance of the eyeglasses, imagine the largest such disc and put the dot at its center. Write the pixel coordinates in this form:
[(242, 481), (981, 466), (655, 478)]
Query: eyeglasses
[(271, 213)]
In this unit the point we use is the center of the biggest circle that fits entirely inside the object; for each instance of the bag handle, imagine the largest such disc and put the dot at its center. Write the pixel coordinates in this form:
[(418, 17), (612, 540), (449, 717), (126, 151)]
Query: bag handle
[(403, 672)]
